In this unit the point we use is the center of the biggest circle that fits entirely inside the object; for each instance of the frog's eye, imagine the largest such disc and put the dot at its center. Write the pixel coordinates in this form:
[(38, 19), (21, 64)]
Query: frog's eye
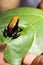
[(13, 23), (5, 33)]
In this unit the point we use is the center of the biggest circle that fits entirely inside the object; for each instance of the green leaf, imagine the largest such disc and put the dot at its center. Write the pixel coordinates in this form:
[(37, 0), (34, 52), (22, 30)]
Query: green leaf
[(30, 39)]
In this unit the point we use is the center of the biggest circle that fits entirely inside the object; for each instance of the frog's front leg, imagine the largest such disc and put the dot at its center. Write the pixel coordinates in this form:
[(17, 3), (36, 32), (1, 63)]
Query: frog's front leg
[(15, 35)]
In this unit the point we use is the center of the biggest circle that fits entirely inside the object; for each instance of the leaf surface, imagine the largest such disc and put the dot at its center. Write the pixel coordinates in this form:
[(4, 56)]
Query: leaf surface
[(30, 39)]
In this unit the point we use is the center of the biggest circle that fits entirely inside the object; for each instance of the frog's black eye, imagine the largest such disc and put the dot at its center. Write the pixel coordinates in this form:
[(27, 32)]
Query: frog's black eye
[(5, 33)]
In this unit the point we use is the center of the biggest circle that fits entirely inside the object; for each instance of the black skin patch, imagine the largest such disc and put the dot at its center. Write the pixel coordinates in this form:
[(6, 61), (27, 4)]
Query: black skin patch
[(15, 31)]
